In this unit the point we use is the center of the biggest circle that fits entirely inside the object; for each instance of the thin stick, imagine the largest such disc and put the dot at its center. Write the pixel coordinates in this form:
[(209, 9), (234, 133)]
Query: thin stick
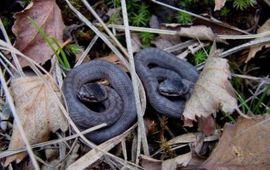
[(33, 65), (134, 80), (174, 32), (12, 152), (18, 121), (6, 67), (89, 47), (88, 6), (266, 80), (246, 45), (15, 58), (217, 22)]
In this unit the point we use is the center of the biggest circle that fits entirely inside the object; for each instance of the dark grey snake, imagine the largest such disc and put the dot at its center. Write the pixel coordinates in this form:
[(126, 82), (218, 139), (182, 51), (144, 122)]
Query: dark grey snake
[(121, 111), (152, 58), (158, 71)]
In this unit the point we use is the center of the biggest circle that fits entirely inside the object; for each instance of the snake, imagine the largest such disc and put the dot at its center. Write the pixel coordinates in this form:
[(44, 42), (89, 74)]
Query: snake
[(162, 74), (147, 61), (120, 109)]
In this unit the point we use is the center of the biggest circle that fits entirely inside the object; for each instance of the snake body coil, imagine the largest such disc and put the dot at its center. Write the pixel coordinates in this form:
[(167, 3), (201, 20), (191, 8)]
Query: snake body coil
[(154, 58), (152, 65), (120, 100)]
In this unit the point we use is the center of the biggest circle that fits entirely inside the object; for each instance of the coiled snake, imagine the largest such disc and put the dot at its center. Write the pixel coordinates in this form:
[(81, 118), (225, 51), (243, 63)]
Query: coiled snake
[(157, 70)]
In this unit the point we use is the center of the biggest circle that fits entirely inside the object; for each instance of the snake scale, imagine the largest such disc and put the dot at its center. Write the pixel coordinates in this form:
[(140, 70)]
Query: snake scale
[(120, 111)]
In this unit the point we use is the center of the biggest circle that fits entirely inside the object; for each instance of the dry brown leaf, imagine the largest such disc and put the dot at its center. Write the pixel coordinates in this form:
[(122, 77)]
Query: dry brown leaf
[(219, 4), (212, 91), (115, 60), (150, 163), (200, 32), (179, 161), (28, 41), (162, 43), (244, 145), (207, 125), (254, 49), (171, 164), (38, 111), (93, 155)]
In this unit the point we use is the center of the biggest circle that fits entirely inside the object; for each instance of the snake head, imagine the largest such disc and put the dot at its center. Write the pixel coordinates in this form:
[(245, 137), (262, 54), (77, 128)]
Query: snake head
[(173, 88), (92, 92)]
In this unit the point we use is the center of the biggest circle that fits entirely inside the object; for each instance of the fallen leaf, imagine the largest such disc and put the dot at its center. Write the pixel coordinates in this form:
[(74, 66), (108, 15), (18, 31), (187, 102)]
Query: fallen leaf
[(38, 112), (244, 145), (171, 164), (213, 90), (93, 155), (112, 58), (207, 125), (254, 49), (219, 4), (48, 16), (179, 161), (162, 43), (196, 32), (150, 163), (190, 138), (200, 32)]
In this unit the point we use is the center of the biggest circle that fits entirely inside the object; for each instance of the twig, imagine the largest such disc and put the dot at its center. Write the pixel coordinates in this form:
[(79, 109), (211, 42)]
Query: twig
[(6, 67), (134, 80), (18, 121), (12, 152), (259, 41), (174, 32), (84, 54), (100, 34), (34, 66), (267, 80), (113, 48), (217, 22), (15, 58), (88, 6), (233, 50)]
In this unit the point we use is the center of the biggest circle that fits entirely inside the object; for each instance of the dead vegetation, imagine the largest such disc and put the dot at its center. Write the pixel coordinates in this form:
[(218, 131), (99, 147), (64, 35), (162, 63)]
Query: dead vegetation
[(225, 123)]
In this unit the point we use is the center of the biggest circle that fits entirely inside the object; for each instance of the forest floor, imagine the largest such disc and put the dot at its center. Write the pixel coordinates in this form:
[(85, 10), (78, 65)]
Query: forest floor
[(225, 123)]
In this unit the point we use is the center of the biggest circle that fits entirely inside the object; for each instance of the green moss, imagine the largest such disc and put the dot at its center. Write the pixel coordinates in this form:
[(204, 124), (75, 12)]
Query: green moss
[(183, 18), (224, 11), (139, 15), (146, 38), (243, 4), (199, 57)]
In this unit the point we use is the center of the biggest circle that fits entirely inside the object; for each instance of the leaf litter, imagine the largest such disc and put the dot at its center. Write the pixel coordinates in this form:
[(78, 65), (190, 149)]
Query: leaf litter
[(47, 15), (213, 92), (38, 111)]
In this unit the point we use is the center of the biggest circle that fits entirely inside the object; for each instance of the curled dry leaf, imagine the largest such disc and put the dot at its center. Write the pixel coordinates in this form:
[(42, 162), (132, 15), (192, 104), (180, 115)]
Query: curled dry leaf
[(28, 41), (38, 111), (212, 91), (254, 49), (244, 145), (219, 4)]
